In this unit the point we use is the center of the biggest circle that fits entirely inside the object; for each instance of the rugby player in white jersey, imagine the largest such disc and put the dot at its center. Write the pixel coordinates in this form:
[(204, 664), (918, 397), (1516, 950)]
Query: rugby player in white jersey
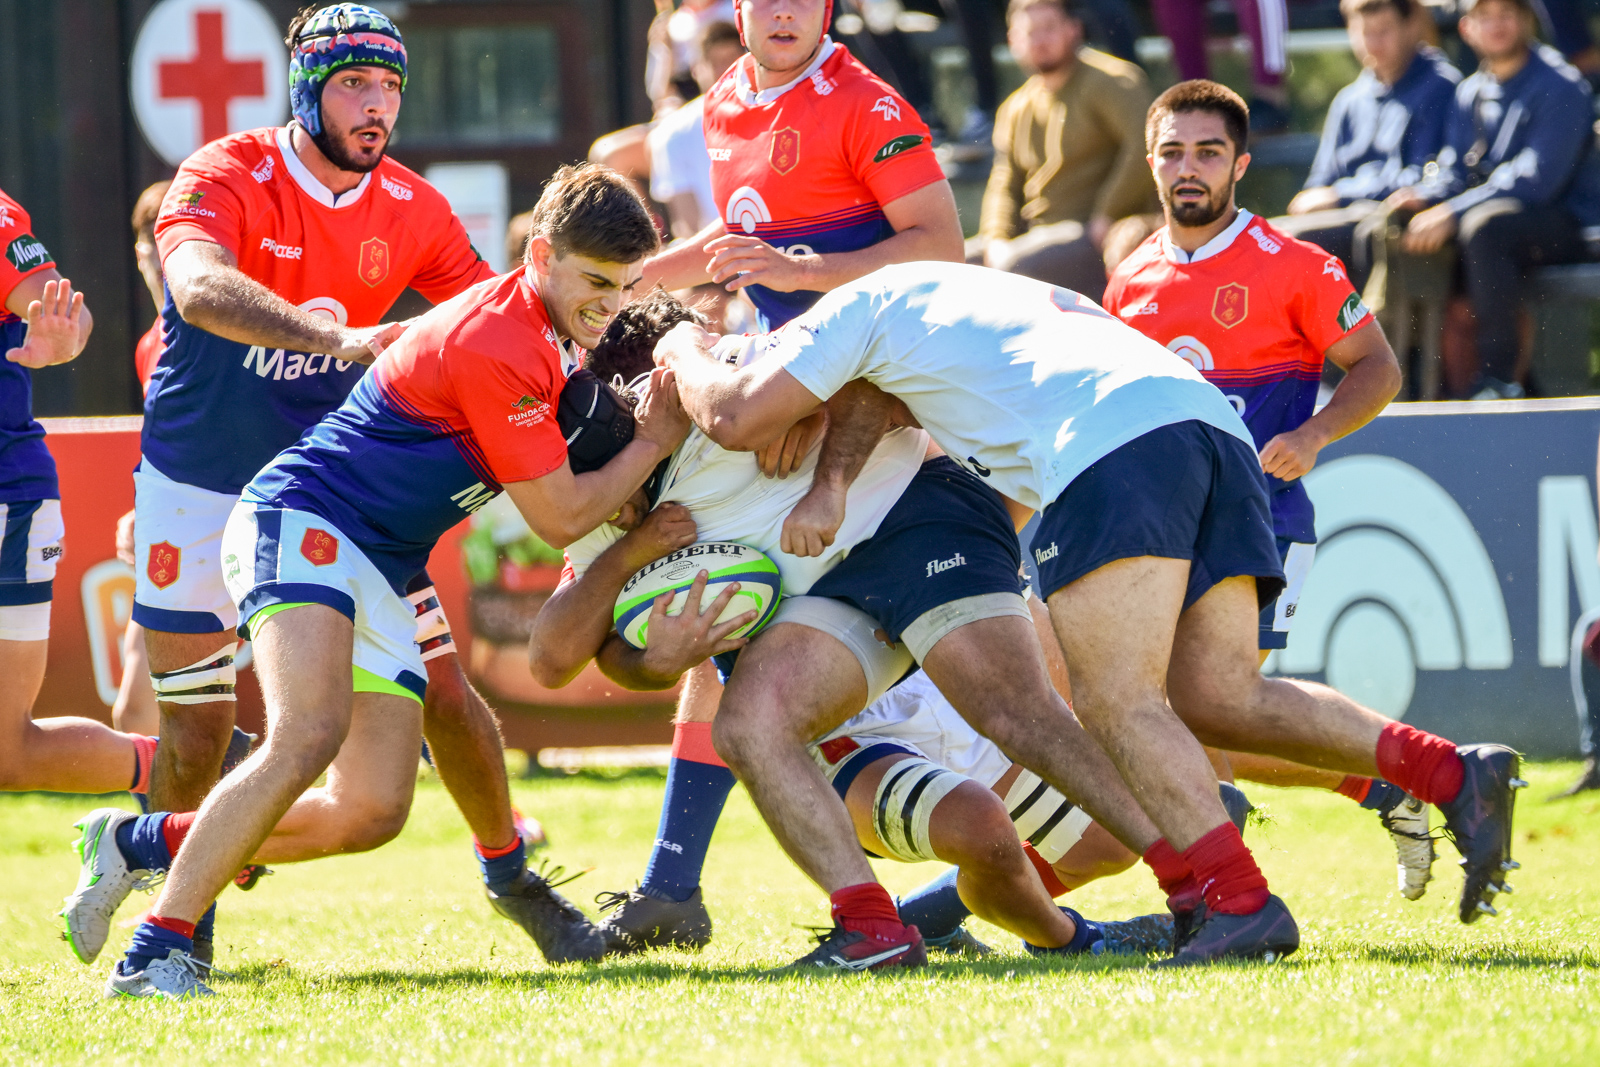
[(1155, 553)]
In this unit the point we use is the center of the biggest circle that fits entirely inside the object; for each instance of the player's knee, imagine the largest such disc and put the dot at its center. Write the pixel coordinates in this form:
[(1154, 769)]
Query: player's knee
[(972, 825), (371, 823)]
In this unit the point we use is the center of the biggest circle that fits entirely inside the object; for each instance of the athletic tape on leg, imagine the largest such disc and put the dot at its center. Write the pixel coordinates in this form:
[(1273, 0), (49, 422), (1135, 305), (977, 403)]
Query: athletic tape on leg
[(1043, 817), (904, 803), (205, 682), (433, 635)]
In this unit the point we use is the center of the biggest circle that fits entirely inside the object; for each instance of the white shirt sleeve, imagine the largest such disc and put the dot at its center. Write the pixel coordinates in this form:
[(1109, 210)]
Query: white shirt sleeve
[(582, 553), (830, 345)]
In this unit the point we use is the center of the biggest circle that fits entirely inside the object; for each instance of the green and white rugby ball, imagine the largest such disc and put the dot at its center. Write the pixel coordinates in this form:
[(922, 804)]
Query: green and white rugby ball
[(724, 562)]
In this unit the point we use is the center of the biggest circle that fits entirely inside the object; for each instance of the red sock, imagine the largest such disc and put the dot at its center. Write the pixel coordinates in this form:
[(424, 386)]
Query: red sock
[(1047, 873), (867, 908), (177, 926), (144, 754), (692, 741), (1227, 872), (1424, 765), (1355, 787), (1174, 876), (175, 828), (496, 853)]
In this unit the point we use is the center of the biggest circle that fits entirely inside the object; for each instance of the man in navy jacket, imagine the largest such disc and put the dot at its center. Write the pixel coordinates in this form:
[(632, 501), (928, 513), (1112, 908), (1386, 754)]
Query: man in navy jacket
[(1516, 182)]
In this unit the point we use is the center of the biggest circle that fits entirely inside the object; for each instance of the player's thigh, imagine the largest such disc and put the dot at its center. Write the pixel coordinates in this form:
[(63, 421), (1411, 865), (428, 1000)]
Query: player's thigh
[(992, 670), (302, 658), (22, 666), (700, 695), (31, 535), (374, 775), (1215, 665), (1115, 627), (793, 682)]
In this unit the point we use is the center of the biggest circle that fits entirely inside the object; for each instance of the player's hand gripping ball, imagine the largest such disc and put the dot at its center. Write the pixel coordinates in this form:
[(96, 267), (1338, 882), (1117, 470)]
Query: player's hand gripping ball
[(724, 562)]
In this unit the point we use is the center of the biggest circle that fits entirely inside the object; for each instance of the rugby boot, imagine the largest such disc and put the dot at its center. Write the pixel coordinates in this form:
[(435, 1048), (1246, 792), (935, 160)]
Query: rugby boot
[(562, 932), (1588, 778), (841, 950), (1407, 823), (104, 882), (1269, 934), (205, 950), (178, 977), (959, 943), (1478, 820), (1236, 803), (1147, 935), (249, 876), (641, 920)]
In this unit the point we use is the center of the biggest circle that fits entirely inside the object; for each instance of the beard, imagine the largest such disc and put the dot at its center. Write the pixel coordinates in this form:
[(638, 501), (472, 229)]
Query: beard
[(340, 155), (1203, 213)]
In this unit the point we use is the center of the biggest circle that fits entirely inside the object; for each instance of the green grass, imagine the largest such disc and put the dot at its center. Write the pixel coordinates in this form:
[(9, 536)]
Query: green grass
[(393, 957)]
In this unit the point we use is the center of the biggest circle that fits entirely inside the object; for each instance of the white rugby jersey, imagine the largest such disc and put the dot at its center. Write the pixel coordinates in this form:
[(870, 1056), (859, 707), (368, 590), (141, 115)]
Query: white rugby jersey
[(731, 500), (1023, 383)]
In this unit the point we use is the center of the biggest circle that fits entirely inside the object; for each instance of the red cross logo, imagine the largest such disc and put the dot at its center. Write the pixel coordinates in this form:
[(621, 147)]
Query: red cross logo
[(210, 78)]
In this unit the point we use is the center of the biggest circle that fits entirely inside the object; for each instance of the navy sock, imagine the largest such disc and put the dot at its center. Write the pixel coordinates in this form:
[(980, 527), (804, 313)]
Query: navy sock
[(696, 795), (206, 928), (1383, 795), (1088, 932), (935, 909), (142, 843), (151, 942), (501, 872)]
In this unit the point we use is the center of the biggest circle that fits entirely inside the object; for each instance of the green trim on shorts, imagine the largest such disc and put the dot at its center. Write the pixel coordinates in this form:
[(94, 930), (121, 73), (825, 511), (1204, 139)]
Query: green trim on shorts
[(268, 612), (367, 682)]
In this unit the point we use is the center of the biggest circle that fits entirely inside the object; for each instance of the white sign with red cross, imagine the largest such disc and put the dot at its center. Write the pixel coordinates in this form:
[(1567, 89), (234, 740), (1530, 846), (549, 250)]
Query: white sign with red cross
[(206, 68)]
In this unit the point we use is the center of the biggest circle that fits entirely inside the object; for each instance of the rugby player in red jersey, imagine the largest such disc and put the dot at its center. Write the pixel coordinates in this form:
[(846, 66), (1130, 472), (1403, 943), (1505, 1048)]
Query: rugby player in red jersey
[(1256, 312)]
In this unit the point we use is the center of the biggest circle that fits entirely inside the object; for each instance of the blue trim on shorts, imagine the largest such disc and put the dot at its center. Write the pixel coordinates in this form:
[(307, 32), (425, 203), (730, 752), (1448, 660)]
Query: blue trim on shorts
[(861, 759), (20, 594), (412, 682), (172, 621), (269, 531), (264, 596), (14, 542)]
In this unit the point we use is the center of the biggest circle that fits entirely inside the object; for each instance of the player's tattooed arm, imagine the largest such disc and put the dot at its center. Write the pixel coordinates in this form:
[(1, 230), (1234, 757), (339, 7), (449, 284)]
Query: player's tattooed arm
[(573, 624), (676, 642), (743, 410), (1371, 380), (858, 417), (58, 323), (211, 292)]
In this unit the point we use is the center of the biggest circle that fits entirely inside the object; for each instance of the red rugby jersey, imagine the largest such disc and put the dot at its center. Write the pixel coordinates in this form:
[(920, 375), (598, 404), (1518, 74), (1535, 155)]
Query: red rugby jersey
[(807, 167)]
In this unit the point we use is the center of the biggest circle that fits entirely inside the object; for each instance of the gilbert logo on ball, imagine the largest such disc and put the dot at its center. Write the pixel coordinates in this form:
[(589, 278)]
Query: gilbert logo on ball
[(725, 562)]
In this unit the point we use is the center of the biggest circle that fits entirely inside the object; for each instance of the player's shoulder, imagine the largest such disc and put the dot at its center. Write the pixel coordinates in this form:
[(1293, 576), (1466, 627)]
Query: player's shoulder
[(1147, 254), (846, 74), (246, 153), (1295, 263), (12, 214), (405, 188), (1104, 67)]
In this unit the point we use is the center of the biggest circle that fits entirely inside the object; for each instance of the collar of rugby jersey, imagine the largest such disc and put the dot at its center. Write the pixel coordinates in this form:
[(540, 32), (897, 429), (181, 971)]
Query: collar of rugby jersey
[(747, 92), (304, 179), (1216, 245)]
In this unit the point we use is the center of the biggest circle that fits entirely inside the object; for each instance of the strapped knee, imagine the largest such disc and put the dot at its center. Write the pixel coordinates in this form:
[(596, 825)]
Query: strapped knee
[(208, 681), (1044, 818), (433, 635), (904, 803)]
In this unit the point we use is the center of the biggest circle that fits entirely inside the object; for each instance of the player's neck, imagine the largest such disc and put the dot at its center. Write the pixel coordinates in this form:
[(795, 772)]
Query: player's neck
[(534, 279), (337, 181), (1193, 238), (767, 78)]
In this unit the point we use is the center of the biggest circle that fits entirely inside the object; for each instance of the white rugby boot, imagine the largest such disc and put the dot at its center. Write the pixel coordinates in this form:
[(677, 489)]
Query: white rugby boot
[(1407, 823), (104, 882), (178, 977)]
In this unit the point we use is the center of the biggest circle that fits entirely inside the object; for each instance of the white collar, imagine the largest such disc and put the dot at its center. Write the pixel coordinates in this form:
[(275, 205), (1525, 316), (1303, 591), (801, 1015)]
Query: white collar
[(313, 188), (747, 93), (1216, 245)]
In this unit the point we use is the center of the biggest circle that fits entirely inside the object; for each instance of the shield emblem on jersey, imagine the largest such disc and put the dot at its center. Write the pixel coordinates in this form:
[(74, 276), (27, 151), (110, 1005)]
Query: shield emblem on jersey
[(319, 547), (166, 559), (785, 150), (1231, 305), (374, 263)]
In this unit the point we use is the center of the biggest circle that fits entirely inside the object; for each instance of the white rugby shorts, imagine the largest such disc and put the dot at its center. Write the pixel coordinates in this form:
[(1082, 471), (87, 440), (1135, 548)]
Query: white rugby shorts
[(282, 556), (177, 538), (30, 548)]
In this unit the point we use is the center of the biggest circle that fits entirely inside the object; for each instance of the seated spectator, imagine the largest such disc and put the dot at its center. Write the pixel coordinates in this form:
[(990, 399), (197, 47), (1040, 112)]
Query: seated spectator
[(1265, 22), (1516, 181), (680, 169), (1381, 130), (1068, 153)]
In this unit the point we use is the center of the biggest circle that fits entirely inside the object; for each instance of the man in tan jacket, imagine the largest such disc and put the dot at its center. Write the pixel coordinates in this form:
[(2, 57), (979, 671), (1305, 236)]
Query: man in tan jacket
[(1068, 153)]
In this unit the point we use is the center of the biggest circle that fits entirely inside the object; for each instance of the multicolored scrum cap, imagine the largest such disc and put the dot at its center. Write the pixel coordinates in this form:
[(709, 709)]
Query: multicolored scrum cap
[(738, 19), (340, 35)]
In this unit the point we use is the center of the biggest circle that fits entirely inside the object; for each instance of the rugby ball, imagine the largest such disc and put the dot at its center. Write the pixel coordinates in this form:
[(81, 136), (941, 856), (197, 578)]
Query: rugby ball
[(724, 562)]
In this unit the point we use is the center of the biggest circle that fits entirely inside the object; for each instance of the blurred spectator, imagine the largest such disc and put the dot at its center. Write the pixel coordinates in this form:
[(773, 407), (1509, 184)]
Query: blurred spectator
[(1068, 153), (680, 168), (145, 211), (517, 231), (1566, 25), (675, 48), (1265, 22), (1517, 179), (1381, 131)]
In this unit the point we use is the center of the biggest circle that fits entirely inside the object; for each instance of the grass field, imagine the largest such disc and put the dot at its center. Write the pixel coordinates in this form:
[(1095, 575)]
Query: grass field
[(393, 957)]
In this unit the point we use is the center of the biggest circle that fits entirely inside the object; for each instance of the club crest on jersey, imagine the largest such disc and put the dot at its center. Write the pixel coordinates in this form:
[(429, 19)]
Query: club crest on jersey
[(903, 143), (746, 210), (164, 564), (887, 106), (1231, 305), (319, 547), (373, 265), (263, 173), (785, 152)]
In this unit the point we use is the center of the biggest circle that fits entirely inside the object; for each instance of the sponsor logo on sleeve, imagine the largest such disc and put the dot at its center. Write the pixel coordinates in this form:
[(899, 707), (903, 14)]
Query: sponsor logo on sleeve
[(263, 173), (164, 565), (1334, 267), (1268, 245), (319, 547), (398, 190), (27, 253), (281, 251), (373, 265), (888, 107), (1230, 305), (1352, 312), (5, 217), (904, 143), (821, 84), (785, 153), (189, 204), (529, 411)]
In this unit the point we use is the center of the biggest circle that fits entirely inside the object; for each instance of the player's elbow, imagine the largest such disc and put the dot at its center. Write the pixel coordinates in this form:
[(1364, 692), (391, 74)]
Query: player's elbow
[(551, 666), (193, 297), (735, 431)]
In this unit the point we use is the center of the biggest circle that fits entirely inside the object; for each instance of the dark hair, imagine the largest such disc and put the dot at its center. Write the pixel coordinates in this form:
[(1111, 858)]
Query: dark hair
[(1068, 8), (148, 207), (627, 348), (593, 211), (1201, 95), (297, 25), (1467, 7), (720, 32), (1403, 9)]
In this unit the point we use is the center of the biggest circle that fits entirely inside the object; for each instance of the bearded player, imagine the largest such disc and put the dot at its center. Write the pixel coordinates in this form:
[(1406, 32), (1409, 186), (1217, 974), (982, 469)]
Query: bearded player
[(1256, 312)]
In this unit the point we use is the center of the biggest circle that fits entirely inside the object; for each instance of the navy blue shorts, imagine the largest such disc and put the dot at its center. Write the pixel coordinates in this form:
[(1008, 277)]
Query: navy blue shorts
[(948, 537), (1184, 491)]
